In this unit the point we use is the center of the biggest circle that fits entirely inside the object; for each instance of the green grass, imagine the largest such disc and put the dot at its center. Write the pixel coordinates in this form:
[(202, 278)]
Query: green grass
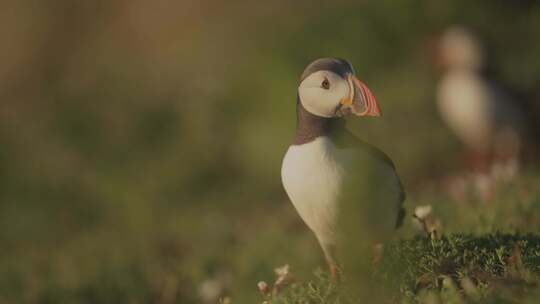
[(483, 252), (164, 254), (494, 268)]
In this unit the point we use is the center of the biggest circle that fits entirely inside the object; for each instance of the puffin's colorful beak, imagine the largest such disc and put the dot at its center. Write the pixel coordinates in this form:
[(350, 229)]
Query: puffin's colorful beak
[(360, 100)]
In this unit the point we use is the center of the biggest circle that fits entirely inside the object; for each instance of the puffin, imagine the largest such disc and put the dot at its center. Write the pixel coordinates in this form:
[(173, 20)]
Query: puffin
[(324, 156), (489, 119)]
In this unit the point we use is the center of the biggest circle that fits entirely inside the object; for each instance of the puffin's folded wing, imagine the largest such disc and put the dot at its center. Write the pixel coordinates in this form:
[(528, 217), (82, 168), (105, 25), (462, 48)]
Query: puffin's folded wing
[(376, 180)]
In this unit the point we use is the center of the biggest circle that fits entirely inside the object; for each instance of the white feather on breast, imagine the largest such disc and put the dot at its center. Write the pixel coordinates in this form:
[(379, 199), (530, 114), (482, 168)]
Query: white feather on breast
[(465, 104), (312, 175)]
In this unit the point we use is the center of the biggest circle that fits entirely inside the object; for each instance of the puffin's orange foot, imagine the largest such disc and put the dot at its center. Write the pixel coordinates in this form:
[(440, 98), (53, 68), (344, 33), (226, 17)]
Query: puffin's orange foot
[(333, 272)]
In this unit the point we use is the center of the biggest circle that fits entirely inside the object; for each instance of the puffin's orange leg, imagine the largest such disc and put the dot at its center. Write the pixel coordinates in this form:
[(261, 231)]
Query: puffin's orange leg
[(333, 271)]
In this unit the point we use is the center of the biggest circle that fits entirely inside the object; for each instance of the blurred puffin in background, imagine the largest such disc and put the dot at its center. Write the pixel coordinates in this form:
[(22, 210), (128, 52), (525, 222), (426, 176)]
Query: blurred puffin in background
[(324, 157), (490, 121)]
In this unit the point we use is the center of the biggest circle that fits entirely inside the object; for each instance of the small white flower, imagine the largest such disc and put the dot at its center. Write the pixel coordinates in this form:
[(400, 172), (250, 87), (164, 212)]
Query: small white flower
[(263, 287), (282, 271)]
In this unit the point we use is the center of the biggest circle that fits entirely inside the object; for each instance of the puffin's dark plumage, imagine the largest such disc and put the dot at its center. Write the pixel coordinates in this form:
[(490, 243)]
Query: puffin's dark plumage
[(310, 126), (344, 139), (336, 65)]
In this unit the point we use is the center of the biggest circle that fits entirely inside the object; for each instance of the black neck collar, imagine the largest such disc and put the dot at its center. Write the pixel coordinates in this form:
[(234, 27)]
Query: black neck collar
[(309, 126)]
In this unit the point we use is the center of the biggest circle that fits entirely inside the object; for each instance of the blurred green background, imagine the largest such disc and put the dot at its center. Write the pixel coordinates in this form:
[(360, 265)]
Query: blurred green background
[(141, 142)]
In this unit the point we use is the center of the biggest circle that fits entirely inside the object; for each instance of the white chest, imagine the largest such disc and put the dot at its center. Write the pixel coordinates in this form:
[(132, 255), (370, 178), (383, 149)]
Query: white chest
[(464, 104), (312, 175)]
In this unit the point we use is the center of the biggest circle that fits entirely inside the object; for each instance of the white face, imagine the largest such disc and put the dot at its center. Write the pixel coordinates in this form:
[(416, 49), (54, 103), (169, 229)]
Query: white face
[(321, 92)]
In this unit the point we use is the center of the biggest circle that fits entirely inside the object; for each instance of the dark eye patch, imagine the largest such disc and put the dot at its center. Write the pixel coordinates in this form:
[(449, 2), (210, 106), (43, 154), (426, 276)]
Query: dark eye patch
[(325, 84)]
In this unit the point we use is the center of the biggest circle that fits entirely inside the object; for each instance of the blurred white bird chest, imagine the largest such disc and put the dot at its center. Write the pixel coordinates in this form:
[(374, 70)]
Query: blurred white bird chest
[(464, 103), (312, 175)]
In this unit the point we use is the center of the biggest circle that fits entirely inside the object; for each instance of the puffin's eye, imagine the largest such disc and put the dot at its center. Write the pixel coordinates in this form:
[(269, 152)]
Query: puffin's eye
[(325, 84)]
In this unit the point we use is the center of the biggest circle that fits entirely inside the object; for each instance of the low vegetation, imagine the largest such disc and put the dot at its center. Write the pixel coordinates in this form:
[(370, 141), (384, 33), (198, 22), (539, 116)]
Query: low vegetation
[(494, 268)]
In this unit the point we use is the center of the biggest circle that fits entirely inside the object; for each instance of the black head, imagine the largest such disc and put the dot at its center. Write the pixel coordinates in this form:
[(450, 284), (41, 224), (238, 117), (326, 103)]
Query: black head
[(338, 66)]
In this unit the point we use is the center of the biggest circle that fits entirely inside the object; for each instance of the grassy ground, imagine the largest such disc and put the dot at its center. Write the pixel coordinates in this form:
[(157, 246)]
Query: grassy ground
[(493, 268), (220, 247), (137, 254), (498, 261)]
